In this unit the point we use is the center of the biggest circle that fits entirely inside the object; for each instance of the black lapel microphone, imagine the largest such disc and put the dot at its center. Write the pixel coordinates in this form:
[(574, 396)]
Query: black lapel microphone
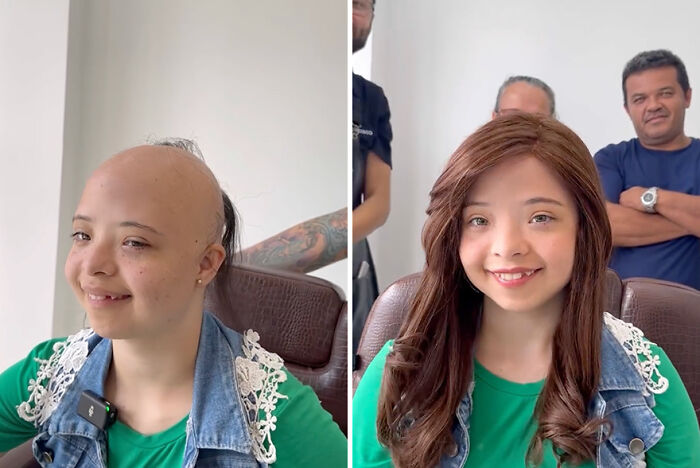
[(96, 410)]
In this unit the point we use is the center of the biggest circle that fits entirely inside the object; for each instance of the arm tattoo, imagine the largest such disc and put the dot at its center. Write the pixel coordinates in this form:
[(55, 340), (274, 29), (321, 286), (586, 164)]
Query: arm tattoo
[(304, 247)]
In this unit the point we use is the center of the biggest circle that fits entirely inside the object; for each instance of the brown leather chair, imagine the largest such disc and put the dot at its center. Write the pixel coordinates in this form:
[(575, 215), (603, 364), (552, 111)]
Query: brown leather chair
[(20, 457), (667, 313), (299, 317)]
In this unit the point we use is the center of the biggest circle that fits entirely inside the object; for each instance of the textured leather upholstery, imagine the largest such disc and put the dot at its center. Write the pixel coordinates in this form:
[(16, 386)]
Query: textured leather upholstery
[(383, 322), (667, 313), (613, 293), (299, 317), (20, 457)]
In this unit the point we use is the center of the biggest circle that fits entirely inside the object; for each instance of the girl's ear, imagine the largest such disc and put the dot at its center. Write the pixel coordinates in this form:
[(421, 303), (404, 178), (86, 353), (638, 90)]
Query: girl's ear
[(211, 260)]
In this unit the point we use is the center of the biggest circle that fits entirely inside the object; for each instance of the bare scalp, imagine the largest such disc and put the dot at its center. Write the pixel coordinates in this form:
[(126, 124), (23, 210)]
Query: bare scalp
[(177, 182)]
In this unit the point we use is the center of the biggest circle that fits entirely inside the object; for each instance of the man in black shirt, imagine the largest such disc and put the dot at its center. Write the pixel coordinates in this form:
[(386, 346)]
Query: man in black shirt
[(371, 171)]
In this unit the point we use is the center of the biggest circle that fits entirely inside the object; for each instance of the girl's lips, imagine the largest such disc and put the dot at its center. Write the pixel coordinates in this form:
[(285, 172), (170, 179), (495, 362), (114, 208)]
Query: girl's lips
[(514, 278), (105, 300), (95, 297), (95, 291)]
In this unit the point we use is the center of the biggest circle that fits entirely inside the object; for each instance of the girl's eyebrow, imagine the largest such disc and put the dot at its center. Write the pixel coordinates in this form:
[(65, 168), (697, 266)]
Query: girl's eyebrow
[(122, 224), (475, 203), (533, 201), (140, 226), (529, 201)]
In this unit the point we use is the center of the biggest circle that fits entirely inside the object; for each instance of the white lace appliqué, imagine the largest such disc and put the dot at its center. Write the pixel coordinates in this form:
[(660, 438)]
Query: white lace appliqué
[(259, 374), (53, 378), (632, 340)]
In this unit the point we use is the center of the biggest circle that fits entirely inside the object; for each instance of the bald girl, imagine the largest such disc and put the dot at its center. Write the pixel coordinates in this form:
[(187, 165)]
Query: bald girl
[(147, 241), (150, 232)]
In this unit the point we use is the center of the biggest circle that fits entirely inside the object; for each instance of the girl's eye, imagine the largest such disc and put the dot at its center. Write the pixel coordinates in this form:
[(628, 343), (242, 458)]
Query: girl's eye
[(80, 236), (478, 221), (541, 218), (135, 244)]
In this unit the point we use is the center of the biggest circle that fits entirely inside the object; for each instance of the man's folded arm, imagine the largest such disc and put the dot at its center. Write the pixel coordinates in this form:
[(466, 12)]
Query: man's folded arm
[(680, 208), (632, 228)]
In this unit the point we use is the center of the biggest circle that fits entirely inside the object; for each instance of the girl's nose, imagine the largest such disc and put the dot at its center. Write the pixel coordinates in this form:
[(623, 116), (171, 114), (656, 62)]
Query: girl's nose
[(99, 259), (509, 241)]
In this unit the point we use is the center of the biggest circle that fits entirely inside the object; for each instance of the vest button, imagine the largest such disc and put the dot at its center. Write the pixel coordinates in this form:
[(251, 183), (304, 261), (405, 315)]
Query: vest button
[(47, 456), (636, 446)]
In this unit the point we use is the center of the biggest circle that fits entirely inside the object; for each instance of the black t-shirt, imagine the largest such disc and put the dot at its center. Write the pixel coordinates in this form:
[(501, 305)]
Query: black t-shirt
[(371, 129)]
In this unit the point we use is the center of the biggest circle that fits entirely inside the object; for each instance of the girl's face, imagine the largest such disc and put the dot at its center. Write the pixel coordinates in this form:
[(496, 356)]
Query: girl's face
[(137, 250), (519, 227)]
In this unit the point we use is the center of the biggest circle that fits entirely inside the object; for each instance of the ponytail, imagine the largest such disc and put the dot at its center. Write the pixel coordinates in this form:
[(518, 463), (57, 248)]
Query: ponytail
[(230, 241)]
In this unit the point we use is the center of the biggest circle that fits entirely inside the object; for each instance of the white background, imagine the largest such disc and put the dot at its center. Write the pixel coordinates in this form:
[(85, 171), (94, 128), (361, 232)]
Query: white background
[(261, 85), (441, 63)]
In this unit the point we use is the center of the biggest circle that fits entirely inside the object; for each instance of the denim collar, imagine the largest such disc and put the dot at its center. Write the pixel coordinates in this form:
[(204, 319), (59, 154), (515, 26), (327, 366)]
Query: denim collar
[(92, 374), (217, 419), (617, 371)]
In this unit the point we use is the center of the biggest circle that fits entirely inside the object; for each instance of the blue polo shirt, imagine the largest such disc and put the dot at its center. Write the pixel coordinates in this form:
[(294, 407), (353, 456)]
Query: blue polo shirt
[(629, 164)]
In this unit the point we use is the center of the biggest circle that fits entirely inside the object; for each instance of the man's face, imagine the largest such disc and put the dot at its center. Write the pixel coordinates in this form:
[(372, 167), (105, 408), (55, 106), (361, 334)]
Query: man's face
[(523, 97), (656, 105), (362, 15)]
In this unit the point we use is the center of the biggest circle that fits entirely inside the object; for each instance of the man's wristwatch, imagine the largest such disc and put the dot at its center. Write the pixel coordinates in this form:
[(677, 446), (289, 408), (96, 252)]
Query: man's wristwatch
[(649, 198)]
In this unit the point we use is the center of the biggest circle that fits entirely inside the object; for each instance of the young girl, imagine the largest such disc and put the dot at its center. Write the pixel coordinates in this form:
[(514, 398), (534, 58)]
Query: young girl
[(506, 357), (150, 233)]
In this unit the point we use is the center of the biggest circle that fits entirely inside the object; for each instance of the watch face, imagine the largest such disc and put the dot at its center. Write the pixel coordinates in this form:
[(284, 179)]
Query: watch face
[(648, 197)]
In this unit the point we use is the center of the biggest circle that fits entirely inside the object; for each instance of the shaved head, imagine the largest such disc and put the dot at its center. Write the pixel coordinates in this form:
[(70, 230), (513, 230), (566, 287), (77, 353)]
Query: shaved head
[(177, 182), (147, 240)]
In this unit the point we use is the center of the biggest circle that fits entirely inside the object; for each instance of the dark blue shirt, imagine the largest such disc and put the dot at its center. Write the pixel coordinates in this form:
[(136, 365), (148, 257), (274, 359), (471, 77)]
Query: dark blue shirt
[(629, 164)]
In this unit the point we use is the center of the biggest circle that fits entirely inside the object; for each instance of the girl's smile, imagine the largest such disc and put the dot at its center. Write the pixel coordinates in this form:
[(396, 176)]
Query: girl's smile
[(518, 239), (514, 276)]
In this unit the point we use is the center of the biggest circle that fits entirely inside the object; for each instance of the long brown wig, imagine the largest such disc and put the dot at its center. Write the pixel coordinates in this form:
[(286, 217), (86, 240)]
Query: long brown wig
[(430, 368)]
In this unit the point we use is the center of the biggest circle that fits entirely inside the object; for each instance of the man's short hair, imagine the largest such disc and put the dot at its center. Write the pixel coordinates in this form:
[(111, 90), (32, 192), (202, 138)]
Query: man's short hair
[(654, 59), (536, 82)]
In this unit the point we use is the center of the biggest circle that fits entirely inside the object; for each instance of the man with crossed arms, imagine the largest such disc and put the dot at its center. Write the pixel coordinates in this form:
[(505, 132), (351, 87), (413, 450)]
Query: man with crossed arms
[(652, 182)]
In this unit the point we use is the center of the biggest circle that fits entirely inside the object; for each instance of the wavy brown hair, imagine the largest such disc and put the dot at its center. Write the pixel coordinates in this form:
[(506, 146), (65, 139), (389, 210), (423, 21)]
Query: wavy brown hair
[(430, 368)]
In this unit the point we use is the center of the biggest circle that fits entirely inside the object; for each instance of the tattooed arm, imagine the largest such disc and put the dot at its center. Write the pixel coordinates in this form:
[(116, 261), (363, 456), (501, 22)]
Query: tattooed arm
[(304, 247)]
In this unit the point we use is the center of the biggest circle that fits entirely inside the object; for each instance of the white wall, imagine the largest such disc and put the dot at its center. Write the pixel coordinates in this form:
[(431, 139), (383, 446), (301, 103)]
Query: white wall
[(33, 47), (441, 63), (362, 60), (260, 85)]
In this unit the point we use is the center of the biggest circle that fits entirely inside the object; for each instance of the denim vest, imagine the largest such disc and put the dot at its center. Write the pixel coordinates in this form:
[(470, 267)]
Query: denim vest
[(622, 397), (220, 430)]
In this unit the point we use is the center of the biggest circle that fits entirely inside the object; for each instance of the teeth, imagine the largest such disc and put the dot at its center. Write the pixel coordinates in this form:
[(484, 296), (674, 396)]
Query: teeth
[(95, 297), (513, 276)]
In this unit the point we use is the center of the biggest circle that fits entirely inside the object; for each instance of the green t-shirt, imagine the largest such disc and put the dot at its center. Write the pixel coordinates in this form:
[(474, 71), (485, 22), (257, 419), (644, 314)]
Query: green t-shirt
[(502, 422), (130, 448), (305, 434)]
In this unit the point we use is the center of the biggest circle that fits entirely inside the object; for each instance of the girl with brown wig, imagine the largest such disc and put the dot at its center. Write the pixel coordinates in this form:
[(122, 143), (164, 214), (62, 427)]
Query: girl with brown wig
[(506, 357)]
